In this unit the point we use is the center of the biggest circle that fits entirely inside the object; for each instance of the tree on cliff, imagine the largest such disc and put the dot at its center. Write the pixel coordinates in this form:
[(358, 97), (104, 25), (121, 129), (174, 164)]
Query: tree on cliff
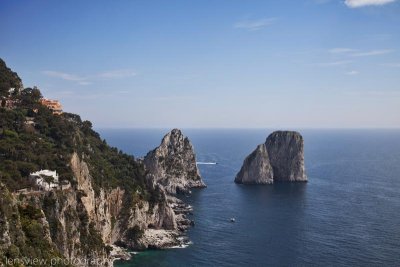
[(30, 97), (48, 179), (8, 79)]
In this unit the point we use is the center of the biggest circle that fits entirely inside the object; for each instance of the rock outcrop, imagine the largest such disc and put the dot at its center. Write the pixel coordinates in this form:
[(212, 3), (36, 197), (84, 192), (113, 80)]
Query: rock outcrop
[(173, 164), (286, 154), (256, 168), (172, 168), (83, 225), (279, 159), (113, 220)]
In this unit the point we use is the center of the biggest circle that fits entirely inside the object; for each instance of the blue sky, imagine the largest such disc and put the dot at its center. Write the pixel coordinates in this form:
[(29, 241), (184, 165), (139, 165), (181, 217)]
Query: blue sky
[(242, 64)]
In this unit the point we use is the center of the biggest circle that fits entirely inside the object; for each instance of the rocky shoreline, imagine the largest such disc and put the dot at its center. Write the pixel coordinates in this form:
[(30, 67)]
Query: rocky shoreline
[(160, 238), (119, 253)]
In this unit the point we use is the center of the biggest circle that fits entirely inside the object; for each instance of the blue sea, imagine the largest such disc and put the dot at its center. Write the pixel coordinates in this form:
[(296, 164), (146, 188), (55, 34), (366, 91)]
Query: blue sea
[(348, 214)]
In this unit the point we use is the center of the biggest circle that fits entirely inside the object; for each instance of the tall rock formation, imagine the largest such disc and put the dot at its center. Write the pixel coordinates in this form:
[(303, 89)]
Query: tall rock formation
[(280, 159), (256, 168), (173, 164), (286, 155)]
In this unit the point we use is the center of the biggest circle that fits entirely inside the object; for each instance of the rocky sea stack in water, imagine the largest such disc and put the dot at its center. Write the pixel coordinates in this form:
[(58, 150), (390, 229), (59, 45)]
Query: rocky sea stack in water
[(279, 159), (173, 164), (256, 168)]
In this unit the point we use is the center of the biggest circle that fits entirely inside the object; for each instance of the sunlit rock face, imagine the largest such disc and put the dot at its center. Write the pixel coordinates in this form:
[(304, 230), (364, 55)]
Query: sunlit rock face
[(173, 164), (256, 168), (279, 159)]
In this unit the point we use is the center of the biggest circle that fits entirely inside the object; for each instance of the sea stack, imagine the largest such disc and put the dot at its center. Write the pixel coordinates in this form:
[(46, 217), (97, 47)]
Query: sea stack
[(173, 164), (279, 159), (256, 168)]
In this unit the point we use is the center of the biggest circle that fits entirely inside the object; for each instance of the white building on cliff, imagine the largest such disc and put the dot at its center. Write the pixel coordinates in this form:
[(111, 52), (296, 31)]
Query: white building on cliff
[(45, 179)]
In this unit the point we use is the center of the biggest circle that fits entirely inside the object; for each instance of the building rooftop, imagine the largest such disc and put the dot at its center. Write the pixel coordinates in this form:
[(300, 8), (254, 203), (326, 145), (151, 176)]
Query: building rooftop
[(53, 105)]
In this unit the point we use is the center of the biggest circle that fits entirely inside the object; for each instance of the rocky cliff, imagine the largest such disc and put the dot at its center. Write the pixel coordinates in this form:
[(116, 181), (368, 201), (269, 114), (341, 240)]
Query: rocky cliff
[(279, 159), (111, 199), (286, 154), (111, 215), (82, 226), (256, 168), (173, 164)]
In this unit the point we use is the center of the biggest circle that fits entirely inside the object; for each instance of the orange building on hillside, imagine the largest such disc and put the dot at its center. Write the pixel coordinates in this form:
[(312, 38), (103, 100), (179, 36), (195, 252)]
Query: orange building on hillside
[(53, 105)]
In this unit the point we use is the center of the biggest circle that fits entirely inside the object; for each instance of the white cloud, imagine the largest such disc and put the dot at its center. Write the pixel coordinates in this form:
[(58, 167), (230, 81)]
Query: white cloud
[(341, 50), (352, 73), (394, 65), (84, 83), (254, 25), (335, 63), (86, 80), (63, 75), (114, 74), (372, 53), (358, 53), (361, 3)]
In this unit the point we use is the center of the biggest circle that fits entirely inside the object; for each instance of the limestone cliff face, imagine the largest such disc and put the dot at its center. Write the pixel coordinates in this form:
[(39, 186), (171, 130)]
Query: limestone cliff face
[(280, 159), (70, 231), (173, 164), (79, 223), (256, 168), (48, 222), (286, 154), (10, 225), (105, 210)]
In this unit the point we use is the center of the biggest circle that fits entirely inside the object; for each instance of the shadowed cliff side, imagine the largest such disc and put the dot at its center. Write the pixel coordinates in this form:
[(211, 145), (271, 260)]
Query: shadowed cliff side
[(256, 168), (280, 159)]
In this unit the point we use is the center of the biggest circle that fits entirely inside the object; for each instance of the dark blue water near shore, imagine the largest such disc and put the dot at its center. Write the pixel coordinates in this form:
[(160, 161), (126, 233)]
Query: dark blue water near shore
[(348, 214)]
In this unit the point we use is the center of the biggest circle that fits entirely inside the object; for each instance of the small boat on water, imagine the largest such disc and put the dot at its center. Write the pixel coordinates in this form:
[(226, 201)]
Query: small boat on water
[(232, 220)]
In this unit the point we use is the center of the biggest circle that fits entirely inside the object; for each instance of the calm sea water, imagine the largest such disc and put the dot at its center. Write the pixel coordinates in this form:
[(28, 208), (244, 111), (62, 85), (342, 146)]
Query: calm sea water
[(348, 214)]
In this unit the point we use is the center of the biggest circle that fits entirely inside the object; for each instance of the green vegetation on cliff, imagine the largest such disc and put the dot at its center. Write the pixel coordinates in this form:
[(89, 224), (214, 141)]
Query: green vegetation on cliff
[(8, 79), (25, 230), (33, 138), (49, 143)]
